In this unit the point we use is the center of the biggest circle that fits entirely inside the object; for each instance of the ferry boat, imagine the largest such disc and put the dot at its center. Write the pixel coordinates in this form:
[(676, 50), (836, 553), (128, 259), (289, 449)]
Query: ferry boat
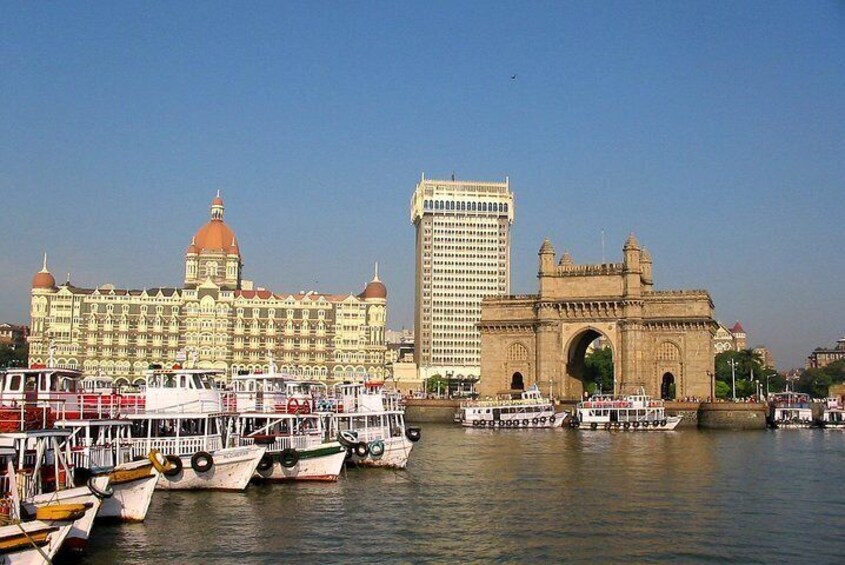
[(185, 420), (369, 423), (531, 410), (833, 416), (634, 412), (37, 462), (279, 412), (790, 410), (27, 542), (105, 446), (99, 441)]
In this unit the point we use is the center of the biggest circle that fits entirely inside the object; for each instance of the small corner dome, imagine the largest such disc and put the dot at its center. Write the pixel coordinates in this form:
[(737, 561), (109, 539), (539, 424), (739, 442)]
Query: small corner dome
[(374, 289), (43, 279)]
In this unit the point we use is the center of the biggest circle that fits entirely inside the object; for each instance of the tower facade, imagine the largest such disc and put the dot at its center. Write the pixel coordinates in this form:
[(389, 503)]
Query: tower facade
[(214, 253), (462, 255)]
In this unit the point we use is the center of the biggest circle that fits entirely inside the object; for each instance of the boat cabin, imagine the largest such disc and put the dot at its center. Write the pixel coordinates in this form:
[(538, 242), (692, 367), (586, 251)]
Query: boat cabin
[(273, 392), (182, 390), (38, 384)]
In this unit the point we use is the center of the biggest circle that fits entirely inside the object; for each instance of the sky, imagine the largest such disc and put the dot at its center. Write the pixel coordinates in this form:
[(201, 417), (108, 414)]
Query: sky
[(715, 131)]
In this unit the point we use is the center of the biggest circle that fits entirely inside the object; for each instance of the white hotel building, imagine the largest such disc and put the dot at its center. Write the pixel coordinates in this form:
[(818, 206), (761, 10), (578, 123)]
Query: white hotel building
[(463, 255)]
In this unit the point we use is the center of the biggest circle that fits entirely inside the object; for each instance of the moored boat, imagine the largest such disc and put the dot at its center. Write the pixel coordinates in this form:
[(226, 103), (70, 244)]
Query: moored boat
[(833, 417), (370, 424), (530, 410), (790, 410), (279, 412), (184, 419), (633, 412)]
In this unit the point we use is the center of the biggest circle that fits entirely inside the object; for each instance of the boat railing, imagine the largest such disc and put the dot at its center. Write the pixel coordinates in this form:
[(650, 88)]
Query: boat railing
[(24, 416), (281, 443), (93, 456), (25, 481), (496, 403), (176, 445)]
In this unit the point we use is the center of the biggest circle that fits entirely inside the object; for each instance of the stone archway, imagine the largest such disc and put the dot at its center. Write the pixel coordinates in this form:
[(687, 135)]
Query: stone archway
[(650, 332), (577, 376)]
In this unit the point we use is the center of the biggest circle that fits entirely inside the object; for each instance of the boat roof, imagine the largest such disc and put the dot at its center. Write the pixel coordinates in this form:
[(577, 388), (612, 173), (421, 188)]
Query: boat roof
[(163, 415), (27, 434)]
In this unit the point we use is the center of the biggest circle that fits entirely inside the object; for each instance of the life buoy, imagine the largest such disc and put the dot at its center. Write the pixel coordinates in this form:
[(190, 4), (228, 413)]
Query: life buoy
[(159, 461), (542, 419), (663, 423), (636, 424), (656, 423), (361, 449), (202, 461), (413, 434), (266, 463), (376, 448), (645, 424), (175, 466), (293, 406), (475, 423), (525, 423), (551, 419), (626, 425), (535, 421), (101, 494), (607, 425), (347, 438), (594, 426), (289, 457)]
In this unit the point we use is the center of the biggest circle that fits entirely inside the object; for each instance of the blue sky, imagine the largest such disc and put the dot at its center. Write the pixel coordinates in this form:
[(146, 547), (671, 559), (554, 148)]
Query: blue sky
[(714, 131)]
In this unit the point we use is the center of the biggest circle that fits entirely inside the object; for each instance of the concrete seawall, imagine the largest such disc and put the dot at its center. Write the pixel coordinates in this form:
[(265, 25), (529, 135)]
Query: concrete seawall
[(732, 416), (703, 415)]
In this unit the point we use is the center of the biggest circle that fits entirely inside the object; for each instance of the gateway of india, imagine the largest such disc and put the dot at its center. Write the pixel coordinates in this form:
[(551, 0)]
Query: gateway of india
[(658, 338), (217, 320)]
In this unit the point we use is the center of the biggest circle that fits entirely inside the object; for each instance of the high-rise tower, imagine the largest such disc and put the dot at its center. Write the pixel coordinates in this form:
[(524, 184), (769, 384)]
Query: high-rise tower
[(463, 255)]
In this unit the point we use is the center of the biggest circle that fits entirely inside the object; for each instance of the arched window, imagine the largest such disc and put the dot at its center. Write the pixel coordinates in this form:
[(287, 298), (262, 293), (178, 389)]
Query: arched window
[(517, 352)]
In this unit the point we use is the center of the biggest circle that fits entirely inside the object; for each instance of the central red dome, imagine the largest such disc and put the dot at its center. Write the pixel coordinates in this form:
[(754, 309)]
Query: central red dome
[(215, 235)]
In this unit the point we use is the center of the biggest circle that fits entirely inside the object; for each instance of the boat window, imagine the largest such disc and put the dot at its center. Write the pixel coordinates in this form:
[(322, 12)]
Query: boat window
[(30, 383), (15, 383), (197, 382), (169, 381)]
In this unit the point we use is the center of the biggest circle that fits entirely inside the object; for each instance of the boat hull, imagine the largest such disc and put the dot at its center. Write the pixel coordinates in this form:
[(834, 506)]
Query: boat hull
[(318, 463), (77, 538), (232, 469), (397, 450), (133, 484), (541, 422), (51, 534), (671, 422)]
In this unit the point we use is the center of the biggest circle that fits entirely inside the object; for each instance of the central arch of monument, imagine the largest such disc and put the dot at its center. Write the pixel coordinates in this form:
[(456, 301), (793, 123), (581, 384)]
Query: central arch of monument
[(651, 333)]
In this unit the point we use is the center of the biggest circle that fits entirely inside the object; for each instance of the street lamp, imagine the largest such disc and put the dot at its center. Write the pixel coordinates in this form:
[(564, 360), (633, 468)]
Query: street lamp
[(732, 363), (768, 377)]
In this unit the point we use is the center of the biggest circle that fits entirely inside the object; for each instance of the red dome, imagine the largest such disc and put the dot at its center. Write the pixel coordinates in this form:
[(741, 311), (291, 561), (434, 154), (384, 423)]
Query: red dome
[(374, 289), (216, 236), (43, 279)]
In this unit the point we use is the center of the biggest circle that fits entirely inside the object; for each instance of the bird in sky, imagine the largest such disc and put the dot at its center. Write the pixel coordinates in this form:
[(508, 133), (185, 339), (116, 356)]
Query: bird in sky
[(513, 77)]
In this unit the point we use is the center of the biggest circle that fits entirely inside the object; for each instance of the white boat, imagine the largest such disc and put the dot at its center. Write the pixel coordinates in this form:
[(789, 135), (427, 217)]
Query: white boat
[(369, 423), (790, 410), (44, 476), (35, 542), (279, 412), (530, 410), (184, 418), (833, 416), (633, 412)]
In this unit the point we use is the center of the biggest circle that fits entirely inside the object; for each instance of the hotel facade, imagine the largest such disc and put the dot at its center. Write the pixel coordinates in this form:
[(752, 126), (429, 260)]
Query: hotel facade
[(462, 255), (216, 321)]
